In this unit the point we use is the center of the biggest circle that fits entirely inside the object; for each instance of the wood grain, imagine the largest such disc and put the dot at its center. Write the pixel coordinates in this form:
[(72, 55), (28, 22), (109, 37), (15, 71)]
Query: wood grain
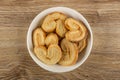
[(102, 64)]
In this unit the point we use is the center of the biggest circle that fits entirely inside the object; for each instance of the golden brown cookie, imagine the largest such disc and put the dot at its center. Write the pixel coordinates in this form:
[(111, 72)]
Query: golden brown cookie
[(70, 53), (49, 56), (77, 30), (72, 24), (82, 44), (39, 37), (51, 38), (49, 23), (60, 28)]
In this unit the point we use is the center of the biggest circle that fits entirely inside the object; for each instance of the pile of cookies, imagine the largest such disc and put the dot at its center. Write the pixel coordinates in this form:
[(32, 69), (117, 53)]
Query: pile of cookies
[(59, 40)]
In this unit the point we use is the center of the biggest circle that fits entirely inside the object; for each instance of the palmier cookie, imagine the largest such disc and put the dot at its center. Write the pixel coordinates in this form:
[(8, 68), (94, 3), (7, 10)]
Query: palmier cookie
[(49, 23), (39, 37), (77, 30), (60, 28), (49, 56), (51, 38), (70, 53), (82, 44)]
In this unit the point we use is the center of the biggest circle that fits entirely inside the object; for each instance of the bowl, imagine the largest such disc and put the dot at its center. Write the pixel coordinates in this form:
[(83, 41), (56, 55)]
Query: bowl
[(37, 21)]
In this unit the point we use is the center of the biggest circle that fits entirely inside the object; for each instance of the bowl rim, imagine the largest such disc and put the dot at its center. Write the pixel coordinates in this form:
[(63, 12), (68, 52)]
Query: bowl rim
[(84, 57)]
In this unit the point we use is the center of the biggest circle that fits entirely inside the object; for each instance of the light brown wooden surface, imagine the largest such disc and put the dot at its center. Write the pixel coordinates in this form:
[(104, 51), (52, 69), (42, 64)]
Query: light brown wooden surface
[(102, 64)]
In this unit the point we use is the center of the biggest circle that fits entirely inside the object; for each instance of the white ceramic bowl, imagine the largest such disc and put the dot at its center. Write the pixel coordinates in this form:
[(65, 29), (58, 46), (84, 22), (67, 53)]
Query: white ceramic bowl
[(38, 19)]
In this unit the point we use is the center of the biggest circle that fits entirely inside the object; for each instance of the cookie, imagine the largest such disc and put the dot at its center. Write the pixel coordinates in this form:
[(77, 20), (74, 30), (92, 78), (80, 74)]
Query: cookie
[(77, 30), (51, 38), (60, 28), (49, 23), (39, 37), (49, 56), (70, 53)]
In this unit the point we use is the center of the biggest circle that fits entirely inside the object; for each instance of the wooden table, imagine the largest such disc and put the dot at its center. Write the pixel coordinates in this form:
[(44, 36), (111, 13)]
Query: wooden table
[(102, 64)]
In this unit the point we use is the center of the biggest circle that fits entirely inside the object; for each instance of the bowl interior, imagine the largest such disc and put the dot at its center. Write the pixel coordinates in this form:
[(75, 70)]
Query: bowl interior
[(38, 20)]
